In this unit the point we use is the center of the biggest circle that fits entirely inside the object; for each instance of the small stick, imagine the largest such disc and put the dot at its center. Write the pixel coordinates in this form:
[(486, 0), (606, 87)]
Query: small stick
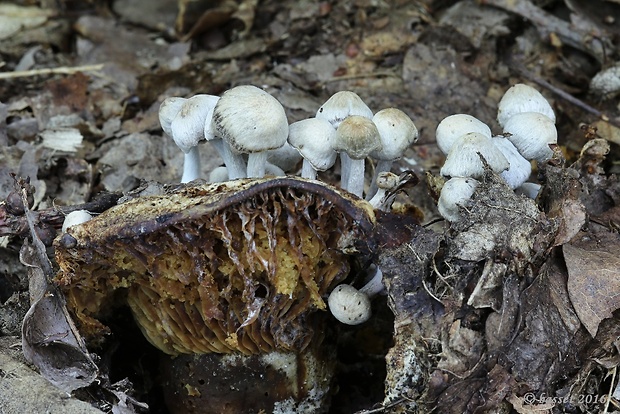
[(63, 70)]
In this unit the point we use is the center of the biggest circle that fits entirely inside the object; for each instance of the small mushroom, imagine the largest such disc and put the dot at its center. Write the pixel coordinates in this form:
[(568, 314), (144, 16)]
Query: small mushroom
[(74, 218), (313, 139), (455, 126), (529, 190), (285, 157), (352, 306), (463, 159), (397, 132), (382, 199), (252, 122), (187, 129), (520, 168), (356, 138), (454, 196), (522, 98), (532, 133)]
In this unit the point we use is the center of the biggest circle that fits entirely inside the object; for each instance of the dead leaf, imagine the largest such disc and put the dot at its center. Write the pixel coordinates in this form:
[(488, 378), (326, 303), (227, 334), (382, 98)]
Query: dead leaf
[(593, 284)]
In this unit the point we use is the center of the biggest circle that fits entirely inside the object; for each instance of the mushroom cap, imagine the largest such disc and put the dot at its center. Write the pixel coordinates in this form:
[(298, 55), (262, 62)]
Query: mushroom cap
[(532, 133), (209, 131), (313, 139), (74, 218), (342, 105), (529, 190), (455, 192), (188, 125), (522, 98), (169, 109), (397, 132), (520, 168), (285, 157), (358, 137), (464, 161), (349, 305), (387, 180), (250, 120), (455, 126)]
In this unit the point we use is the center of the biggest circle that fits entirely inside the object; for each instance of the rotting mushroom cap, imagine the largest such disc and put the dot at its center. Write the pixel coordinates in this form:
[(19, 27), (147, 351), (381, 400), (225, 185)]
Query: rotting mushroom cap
[(522, 98), (397, 132), (313, 139), (358, 136), (454, 194), (455, 126), (464, 161), (341, 105), (532, 133), (250, 119), (349, 305), (240, 266)]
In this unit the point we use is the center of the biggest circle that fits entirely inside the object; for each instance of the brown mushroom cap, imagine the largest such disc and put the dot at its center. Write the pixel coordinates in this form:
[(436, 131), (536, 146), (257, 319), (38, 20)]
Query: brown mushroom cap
[(228, 267)]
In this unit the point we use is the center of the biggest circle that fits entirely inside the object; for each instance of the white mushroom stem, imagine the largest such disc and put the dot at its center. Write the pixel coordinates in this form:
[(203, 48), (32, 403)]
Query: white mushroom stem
[(355, 183), (308, 171), (234, 161), (191, 165), (256, 164), (345, 166), (374, 285)]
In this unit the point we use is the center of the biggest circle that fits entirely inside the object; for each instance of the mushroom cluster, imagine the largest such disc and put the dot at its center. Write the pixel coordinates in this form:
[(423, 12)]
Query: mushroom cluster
[(529, 132)]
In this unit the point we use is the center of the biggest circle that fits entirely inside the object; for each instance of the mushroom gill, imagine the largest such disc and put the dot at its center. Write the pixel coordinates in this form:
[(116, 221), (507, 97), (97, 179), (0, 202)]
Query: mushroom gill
[(231, 267)]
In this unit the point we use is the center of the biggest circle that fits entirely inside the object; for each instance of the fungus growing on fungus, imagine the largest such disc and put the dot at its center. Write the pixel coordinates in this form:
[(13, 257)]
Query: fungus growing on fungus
[(313, 138), (532, 133), (236, 271), (352, 306), (74, 218), (252, 122), (464, 161), (356, 138), (522, 98), (454, 195), (520, 168), (455, 126)]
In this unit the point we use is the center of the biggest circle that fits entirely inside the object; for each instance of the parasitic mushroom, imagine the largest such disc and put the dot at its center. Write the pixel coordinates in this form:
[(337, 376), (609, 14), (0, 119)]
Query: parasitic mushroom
[(455, 194), (464, 157), (532, 134), (455, 126), (313, 138), (520, 168), (522, 98), (252, 122)]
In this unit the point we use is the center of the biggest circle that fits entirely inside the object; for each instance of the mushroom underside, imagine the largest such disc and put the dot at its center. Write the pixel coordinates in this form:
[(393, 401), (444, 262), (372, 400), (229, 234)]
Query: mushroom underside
[(246, 278)]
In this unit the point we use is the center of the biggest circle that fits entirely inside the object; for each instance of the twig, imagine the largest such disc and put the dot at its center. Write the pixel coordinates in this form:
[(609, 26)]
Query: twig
[(566, 96), (63, 70)]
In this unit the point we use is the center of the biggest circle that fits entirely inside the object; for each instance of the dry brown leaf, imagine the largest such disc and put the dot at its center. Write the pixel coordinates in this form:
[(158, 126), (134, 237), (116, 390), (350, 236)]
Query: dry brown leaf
[(593, 285)]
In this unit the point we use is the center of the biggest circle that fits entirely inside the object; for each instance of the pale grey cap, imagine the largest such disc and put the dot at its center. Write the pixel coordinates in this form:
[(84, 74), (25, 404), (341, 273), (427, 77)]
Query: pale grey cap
[(74, 218), (188, 125), (464, 161), (168, 110), (349, 305), (397, 132), (532, 133), (455, 126), (313, 138), (520, 168), (358, 137), (342, 105), (456, 192), (522, 98), (285, 157), (250, 120)]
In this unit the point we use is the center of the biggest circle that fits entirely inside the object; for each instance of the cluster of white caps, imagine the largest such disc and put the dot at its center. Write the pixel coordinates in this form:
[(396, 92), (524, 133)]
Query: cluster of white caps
[(249, 129), (529, 131)]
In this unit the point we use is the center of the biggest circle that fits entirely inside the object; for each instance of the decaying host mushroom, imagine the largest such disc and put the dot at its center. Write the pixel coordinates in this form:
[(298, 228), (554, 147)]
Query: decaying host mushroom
[(231, 268)]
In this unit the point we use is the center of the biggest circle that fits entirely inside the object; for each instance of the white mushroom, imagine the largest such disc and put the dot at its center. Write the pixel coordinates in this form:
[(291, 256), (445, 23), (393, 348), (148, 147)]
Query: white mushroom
[(285, 157), (351, 306), (520, 168), (522, 98), (187, 130), (455, 126), (529, 190), (169, 109), (532, 133), (356, 138), (382, 199), (251, 121), (313, 138), (342, 105), (463, 159), (397, 132), (454, 195), (74, 218)]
